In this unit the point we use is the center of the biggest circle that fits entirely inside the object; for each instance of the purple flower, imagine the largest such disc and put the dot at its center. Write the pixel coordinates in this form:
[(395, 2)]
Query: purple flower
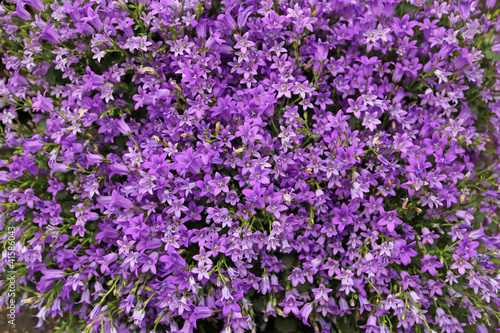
[(430, 264), (275, 207), (428, 236), (120, 201), (408, 280), (243, 42), (321, 51), (305, 312), (405, 251), (51, 274), (122, 126), (464, 8), (177, 207), (42, 103), (187, 161), (51, 35), (371, 325), (149, 263), (48, 277), (389, 220), (219, 184), (128, 303), (297, 276), (461, 263), (200, 312), (184, 162), (22, 13), (290, 304)]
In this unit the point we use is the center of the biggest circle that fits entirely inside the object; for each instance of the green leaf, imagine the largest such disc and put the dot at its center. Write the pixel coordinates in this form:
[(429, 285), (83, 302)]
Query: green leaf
[(479, 218), (495, 260), (492, 56), (286, 325), (346, 327), (352, 122), (474, 109), (410, 214), (288, 260)]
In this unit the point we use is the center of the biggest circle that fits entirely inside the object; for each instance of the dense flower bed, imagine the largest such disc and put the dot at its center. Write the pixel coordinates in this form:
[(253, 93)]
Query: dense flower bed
[(252, 166)]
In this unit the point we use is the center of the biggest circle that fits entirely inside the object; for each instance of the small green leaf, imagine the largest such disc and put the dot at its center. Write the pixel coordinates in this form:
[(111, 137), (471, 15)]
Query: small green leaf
[(288, 260), (286, 325), (410, 214), (492, 56), (495, 260)]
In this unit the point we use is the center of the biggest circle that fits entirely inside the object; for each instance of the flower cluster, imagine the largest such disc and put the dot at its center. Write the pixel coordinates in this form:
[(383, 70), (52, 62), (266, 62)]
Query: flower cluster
[(254, 165)]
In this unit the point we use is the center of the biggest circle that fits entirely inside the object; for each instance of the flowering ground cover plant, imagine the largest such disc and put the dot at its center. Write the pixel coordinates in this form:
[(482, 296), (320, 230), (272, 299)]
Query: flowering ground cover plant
[(265, 166)]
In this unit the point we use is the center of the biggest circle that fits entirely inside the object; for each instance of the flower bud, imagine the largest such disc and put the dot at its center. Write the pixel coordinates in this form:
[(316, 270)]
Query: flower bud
[(309, 64), (462, 198), (405, 202), (147, 70)]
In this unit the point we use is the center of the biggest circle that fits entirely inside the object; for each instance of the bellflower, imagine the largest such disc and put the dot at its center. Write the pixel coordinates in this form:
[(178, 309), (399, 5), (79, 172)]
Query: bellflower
[(210, 165)]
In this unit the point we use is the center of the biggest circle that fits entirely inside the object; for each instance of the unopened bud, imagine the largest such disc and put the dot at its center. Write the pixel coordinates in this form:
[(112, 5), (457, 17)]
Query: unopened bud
[(147, 70), (28, 300), (82, 112), (405, 202), (239, 150), (462, 198), (487, 318), (309, 65), (176, 86)]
